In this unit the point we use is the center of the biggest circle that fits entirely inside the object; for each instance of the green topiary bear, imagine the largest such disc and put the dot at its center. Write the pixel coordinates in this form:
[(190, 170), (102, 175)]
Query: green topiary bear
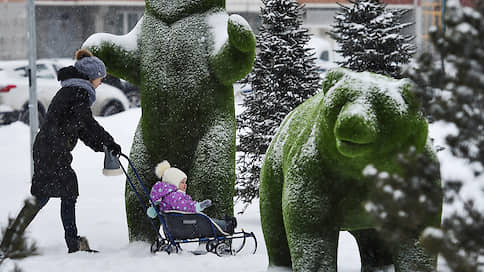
[(312, 185), (185, 55)]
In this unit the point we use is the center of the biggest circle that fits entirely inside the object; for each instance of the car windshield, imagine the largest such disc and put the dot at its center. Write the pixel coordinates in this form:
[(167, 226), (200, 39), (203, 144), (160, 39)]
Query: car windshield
[(8, 72), (42, 71)]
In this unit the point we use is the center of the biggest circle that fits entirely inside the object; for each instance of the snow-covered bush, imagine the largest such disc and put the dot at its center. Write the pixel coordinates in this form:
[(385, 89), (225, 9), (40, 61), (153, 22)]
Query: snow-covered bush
[(452, 91)]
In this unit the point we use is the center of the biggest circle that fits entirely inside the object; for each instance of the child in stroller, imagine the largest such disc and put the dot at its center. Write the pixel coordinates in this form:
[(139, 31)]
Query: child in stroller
[(170, 194), (181, 218)]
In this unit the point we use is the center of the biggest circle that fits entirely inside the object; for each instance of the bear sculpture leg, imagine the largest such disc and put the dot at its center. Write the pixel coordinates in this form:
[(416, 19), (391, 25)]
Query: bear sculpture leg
[(375, 254), (138, 223), (213, 166), (314, 230), (411, 257), (272, 220)]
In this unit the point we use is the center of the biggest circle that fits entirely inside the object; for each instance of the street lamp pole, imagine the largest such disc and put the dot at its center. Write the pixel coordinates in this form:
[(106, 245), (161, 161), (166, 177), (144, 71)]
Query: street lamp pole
[(418, 24), (32, 73)]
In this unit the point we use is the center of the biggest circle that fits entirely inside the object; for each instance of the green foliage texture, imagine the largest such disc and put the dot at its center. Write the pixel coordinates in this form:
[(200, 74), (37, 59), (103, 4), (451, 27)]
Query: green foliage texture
[(187, 100)]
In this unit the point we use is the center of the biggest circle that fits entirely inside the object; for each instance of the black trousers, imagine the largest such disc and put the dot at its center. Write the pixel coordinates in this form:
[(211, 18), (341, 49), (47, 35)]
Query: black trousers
[(31, 208)]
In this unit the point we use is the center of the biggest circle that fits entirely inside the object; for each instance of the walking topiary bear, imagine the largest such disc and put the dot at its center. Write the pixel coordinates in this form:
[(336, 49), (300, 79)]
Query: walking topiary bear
[(185, 55), (312, 185)]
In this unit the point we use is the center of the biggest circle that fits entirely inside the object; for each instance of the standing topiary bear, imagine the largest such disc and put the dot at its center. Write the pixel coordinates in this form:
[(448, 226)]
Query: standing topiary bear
[(185, 55), (312, 182)]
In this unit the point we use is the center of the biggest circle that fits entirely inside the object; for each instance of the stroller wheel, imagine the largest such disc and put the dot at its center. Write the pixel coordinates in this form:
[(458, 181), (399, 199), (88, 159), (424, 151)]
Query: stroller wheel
[(154, 247), (211, 245), (157, 245), (222, 249), (170, 249)]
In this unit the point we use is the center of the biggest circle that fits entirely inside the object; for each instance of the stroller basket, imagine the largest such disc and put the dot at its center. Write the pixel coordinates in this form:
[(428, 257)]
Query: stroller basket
[(182, 227)]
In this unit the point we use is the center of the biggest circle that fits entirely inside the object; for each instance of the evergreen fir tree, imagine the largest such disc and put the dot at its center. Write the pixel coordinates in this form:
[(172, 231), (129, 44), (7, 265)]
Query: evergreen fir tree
[(369, 37), (18, 245), (284, 75), (453, 93), (459, 99)]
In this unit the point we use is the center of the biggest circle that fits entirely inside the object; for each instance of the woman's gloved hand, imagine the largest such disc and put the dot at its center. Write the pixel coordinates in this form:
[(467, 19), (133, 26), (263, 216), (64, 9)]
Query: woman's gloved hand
[(114, 148), (200, 206)]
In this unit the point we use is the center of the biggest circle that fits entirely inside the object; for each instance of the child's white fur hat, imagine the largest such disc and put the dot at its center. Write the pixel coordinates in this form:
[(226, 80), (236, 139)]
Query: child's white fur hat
[(169, 174)]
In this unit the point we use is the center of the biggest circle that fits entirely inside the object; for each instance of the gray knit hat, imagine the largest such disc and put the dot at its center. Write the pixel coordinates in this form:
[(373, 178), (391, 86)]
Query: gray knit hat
[(89, 65)]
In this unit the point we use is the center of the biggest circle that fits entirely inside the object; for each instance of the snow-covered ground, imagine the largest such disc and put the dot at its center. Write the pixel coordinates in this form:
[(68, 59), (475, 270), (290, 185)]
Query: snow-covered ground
[(101, 214)]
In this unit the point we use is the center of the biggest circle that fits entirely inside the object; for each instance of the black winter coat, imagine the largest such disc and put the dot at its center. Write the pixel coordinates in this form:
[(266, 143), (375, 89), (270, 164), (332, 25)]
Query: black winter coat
[(68, 119)]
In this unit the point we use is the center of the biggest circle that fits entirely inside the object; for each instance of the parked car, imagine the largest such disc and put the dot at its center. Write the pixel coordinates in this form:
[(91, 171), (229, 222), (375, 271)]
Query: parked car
[(14, 91), (131, 91), (325, 54), (241, 90)]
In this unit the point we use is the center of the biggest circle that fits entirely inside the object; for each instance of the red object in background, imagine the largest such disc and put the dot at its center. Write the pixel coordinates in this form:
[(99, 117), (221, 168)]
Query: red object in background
[(6, 89), (469, 3)]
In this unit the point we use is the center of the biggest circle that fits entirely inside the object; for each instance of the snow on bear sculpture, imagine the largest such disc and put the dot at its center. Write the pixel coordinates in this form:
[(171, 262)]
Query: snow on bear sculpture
[(185, 55), (311, 181)]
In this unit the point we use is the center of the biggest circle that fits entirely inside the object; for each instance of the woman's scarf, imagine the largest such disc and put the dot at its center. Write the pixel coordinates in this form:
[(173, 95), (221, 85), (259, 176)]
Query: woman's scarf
[(82, 83)]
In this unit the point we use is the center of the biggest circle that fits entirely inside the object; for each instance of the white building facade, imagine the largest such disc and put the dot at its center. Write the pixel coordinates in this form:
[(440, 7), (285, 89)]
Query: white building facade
[(62, 25)]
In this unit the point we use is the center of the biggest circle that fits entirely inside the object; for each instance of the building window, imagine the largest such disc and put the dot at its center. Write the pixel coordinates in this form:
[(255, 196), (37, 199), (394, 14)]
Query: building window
[(125, 21), (324, 55), (431, 17)]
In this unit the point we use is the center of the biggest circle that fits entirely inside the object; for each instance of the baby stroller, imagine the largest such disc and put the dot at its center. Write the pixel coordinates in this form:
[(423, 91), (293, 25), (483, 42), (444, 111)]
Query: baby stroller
[(183, 228)]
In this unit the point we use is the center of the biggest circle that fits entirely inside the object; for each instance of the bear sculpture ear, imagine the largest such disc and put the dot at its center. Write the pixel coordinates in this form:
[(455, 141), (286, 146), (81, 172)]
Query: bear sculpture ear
[(419, 131), (332, 77), (409, 91)]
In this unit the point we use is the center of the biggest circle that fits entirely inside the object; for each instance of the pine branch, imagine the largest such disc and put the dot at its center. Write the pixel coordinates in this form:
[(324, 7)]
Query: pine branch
[(19, 247), (455, 95), (14, 243)]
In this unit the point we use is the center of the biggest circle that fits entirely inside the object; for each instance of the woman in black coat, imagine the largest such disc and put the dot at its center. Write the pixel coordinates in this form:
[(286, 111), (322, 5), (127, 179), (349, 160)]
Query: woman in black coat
[(68, 119)]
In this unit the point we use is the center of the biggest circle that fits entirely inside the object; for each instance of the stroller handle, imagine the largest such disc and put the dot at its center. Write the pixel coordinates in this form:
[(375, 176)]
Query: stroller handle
[(147, 194)]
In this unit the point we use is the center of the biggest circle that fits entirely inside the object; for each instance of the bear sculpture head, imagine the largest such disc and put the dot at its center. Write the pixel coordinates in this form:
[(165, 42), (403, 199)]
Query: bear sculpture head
[(370, 115), (170, 11)]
